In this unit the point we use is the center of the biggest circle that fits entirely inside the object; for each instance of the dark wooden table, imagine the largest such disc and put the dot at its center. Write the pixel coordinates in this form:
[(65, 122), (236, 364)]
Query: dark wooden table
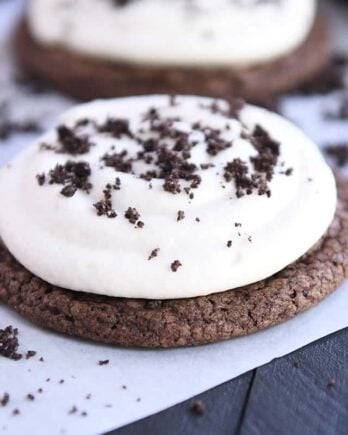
[(304, 393)]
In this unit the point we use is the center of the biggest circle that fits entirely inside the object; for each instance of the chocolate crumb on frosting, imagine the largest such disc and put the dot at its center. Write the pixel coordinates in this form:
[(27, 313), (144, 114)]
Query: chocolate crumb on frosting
[(41, 178), (132, 215), (165, 150), (229, 244), (73, 175), (104, 207), (30, 397), (71, 143), (116, 128), (175, 265)]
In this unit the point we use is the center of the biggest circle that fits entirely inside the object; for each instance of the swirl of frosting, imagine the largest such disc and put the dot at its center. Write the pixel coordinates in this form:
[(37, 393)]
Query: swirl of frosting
[(165, 197), (236, 33)]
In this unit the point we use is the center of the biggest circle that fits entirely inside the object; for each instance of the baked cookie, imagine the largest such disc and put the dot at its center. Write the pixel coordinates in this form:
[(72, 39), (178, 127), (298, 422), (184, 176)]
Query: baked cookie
[(223, 49), (169, 221)]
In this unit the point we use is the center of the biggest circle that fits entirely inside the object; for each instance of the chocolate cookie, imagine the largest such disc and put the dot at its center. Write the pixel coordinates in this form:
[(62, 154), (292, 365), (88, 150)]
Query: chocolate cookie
[(87, 78), (185, 322)]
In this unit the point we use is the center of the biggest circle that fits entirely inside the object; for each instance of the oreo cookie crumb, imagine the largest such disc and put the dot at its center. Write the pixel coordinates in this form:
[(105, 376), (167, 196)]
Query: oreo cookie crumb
[(30, 397), (104, 207), (175, 265), (197, 408), (73, 410), (16, 412), (30, 354), (9, 343), (116, 128), (104, 362), (73, 175), (153, 253), (132, 215), (41, 178), (181, 215), (331, 383), (229, 244), (71, 143), (5, 399)]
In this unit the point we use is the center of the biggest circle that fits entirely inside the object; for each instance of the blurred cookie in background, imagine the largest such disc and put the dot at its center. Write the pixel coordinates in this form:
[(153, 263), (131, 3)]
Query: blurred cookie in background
[(256, 49)]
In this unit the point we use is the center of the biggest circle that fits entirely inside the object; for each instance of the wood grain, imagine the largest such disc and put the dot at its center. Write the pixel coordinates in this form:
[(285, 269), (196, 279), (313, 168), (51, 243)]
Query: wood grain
[(304, 393)]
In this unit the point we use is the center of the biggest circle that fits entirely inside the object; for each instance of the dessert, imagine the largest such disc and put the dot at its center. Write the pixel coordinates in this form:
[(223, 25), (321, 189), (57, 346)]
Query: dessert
[(250, 48), (163, 221)]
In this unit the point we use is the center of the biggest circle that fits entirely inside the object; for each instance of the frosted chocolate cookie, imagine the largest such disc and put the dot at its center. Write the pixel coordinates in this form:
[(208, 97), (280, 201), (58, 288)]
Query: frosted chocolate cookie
[(250, 48), (167, 221)]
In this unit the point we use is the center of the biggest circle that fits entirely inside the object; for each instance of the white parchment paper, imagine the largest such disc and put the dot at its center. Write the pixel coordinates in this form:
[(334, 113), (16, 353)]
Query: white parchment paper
[(135, 383)]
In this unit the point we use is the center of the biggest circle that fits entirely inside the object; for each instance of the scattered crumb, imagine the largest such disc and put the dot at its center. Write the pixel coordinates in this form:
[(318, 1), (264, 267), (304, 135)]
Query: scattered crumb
[(9, 343), (73, 410), (5, 399), (331, 383), (197, 408), (30, 354)]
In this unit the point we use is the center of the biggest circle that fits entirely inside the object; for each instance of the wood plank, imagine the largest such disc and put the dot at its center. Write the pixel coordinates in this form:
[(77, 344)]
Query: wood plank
[(304, 393), (223, 410)]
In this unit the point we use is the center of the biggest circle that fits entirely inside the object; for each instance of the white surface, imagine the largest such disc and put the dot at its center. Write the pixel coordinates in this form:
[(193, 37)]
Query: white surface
[(198, 32), (159, 378), (64, 242)]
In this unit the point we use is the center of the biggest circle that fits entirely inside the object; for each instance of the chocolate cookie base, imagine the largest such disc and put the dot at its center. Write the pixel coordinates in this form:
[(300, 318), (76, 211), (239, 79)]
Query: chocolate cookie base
[(184, 322), (86, 78)]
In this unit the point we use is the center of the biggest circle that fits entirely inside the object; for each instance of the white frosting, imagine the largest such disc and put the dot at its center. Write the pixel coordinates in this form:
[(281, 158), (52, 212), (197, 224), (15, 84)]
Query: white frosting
[(63, 241), (175, 32)]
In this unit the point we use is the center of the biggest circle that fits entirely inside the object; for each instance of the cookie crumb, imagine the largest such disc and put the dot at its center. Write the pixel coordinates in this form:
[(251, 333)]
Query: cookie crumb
[(9, 343), (5, 399), (175, 265), (197, 408), (331, 383), (73, 410), (180, 216), (153, 253), (30, 354), (30, 397), (104, 362)]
